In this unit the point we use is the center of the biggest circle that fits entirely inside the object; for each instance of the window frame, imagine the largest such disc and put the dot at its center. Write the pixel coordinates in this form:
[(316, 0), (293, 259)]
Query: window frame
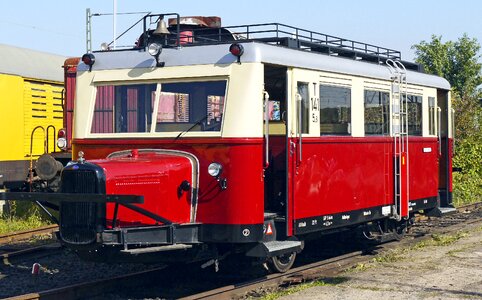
[(350, 107), (386, 112), (151, 130), (419, 106)]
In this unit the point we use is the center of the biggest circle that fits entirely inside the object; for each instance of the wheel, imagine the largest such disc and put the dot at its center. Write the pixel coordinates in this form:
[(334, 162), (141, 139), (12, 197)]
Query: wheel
[(281, 263), (397, 228)]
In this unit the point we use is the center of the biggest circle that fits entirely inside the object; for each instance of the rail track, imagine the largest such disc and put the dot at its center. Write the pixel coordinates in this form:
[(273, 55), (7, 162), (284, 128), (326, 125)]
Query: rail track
[(146, 284), (333, 266), (16, 246), (22, 235)]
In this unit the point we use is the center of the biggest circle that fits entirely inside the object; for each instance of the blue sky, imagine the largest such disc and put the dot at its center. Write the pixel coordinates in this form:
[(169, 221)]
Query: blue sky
[(59, 26)]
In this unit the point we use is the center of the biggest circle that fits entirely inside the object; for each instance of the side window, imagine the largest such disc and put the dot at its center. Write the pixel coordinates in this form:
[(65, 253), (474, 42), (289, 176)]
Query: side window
[(414, 112), (125, 108), (377, 112), (335, 110), (194, 106), (305, 105), (431, 116)]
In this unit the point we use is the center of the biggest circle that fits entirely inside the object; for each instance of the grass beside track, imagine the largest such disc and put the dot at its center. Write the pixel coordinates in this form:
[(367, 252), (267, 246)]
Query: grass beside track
[(20, 216), (9, 225)]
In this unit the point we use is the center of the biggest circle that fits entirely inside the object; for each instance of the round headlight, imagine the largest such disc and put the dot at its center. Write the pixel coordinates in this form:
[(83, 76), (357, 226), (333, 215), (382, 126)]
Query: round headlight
[(61, 143), (154, 49), (215, 169)]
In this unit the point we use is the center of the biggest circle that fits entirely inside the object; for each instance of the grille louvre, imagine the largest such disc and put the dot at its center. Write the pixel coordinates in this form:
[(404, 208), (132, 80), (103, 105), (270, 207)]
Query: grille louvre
[(78, 220)]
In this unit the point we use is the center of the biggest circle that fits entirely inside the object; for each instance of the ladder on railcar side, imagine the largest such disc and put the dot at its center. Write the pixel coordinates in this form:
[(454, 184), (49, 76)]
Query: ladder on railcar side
[(399, 118)]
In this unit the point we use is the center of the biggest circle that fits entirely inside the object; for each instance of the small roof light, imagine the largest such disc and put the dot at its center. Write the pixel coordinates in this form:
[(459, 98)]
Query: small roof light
[(88, 59), (236, 49), (154, 49), (104, 47)]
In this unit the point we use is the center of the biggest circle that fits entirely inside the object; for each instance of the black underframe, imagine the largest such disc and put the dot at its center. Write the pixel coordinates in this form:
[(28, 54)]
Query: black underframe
[(192, 233), (327, 222)]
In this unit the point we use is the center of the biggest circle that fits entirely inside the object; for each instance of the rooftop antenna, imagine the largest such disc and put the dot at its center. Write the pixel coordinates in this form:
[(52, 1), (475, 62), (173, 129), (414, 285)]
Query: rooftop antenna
[(114, 23), (88, 23)]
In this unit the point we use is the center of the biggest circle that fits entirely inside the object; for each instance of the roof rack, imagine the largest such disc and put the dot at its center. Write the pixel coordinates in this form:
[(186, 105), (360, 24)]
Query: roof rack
[(295, 37), (188, 34), (302, 39)]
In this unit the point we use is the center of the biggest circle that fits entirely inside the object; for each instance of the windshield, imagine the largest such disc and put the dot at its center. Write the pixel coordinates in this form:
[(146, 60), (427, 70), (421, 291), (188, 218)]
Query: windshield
[(179, 106)]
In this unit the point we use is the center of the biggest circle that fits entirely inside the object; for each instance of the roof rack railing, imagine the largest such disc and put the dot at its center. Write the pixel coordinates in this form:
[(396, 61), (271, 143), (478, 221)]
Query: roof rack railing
[(308, 39), (274, 33)]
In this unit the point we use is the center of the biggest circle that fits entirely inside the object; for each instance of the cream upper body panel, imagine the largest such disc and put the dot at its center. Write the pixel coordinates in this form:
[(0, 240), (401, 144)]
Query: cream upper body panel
[(254, 52), (243, 109), (243, 96)]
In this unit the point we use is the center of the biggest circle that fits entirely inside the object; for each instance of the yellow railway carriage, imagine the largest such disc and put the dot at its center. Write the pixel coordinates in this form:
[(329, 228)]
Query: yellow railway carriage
[(31, 112)]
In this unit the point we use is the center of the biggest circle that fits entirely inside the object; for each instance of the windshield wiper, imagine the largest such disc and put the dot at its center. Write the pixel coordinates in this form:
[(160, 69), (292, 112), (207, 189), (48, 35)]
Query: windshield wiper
[(190, 128)]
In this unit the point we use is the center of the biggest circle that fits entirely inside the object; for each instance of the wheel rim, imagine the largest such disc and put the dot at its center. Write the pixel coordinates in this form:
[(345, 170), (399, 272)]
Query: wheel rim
[(285, 259)]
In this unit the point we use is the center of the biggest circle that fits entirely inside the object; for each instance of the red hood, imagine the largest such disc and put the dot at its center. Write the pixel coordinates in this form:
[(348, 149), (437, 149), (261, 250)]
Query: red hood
[(158, 175)]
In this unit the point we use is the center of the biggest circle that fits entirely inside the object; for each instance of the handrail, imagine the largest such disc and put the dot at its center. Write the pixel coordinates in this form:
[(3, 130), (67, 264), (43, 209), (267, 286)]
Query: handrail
[(30, 170), (299, 101), (452, 111), (439, 117), (266, 124), (47, 138)]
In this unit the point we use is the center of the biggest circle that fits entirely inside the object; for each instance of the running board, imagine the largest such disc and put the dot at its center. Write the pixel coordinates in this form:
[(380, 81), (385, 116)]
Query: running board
[(138, 251), (440, 211), (275, 248)]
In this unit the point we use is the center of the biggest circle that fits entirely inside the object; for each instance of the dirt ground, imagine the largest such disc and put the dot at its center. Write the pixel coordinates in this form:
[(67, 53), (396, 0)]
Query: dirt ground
[(446, 269)]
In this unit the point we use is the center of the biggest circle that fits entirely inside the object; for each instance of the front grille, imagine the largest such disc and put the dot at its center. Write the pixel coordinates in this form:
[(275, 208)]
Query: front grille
[(79, 220), (79, 181)]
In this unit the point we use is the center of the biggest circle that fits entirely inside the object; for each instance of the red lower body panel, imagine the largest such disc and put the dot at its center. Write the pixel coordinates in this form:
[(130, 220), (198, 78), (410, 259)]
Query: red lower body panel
[(343, 174), (242, 202)]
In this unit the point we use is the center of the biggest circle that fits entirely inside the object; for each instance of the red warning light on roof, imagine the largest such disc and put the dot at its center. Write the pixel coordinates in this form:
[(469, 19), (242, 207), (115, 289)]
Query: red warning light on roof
[(236, 49)]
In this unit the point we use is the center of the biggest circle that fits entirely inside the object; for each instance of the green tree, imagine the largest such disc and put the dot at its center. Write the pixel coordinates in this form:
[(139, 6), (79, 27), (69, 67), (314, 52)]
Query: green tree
[(458, 62)]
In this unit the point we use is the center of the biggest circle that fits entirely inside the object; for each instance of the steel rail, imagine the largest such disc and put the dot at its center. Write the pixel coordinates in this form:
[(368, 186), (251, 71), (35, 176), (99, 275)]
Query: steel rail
[(328, 267), (26, 234), (325, 268), (52, 247), (91, 289)]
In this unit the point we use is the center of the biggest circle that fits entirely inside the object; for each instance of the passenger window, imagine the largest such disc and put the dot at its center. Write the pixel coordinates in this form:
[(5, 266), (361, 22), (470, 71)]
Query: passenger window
[(305, 106), (335, 110), (194, 106), (377, 111), (125, 108), (414, 113)]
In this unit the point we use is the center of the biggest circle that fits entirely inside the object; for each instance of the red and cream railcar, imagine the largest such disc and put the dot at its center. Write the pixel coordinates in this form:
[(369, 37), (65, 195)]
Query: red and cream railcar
[(238, 143)]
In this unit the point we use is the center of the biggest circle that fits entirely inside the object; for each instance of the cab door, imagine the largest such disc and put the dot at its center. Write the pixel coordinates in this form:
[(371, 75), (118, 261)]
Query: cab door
[(303, 127)]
